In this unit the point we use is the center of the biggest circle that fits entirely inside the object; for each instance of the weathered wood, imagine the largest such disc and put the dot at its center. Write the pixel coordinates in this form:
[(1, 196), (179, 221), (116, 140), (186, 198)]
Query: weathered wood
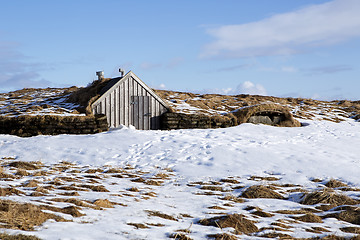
[(135, 107), (116, 107), (146, 113), (141, 111), (152, 114), (131, 93), (113, 107), (126, 103), (107, 109), (122, 104)]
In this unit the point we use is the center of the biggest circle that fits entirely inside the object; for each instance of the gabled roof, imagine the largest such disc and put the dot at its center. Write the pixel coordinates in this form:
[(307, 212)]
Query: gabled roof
[(115, 82)]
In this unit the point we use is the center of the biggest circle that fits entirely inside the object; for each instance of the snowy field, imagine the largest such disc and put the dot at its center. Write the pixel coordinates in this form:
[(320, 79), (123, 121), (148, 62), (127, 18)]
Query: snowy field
[(188, 175)]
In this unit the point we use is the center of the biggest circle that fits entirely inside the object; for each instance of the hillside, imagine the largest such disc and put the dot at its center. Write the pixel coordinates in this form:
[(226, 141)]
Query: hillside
[(301, 108), (244, 182), (55, 101)]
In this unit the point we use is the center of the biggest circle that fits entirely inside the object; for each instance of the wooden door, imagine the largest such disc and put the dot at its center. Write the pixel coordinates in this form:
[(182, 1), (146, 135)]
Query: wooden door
[(141, 112)]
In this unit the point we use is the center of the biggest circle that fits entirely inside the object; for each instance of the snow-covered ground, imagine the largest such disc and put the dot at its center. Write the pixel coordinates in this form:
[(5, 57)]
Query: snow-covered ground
[(41, 101), (321, 149), (190, 160)]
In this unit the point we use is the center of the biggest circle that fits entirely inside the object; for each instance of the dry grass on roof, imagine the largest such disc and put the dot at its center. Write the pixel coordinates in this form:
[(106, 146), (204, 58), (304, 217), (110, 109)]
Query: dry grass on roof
[(87, 95)]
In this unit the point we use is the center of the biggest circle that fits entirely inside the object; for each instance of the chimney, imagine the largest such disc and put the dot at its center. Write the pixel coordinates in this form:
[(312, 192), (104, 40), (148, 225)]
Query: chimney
[(122, 72), (100, 75)]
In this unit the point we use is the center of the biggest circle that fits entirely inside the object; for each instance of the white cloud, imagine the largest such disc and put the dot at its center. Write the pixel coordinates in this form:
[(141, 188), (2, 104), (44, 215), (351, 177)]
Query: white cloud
[(174, 62), (234, 68), (328, 69), (222, 91), (150, 66), (169, 64), (250, 88), (162, 86), (15, 73), (288, 33), (246, 87), (289, 69)]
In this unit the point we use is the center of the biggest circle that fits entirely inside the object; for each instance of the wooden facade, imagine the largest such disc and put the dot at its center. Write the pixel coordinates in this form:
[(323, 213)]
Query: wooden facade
[(129, 101)]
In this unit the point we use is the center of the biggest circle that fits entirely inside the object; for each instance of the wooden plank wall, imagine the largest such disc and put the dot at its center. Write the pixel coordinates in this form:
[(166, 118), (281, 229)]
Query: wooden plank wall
[(120, 108)]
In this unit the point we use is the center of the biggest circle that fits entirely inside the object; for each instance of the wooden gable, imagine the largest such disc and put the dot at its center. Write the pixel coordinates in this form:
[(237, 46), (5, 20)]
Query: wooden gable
[(129, 101)]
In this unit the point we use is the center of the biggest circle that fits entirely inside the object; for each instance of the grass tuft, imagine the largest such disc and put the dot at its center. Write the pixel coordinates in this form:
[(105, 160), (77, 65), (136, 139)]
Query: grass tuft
[(260, 191), (326, 196), (236, 221), (160, 215)]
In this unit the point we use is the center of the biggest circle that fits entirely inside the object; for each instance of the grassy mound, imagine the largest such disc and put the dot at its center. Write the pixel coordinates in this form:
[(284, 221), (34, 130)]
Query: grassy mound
[(87, 95), (271, 114)]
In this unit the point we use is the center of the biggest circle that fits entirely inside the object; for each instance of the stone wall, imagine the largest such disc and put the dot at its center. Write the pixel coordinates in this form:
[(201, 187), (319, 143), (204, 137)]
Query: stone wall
[(186, 121), (27, 126)]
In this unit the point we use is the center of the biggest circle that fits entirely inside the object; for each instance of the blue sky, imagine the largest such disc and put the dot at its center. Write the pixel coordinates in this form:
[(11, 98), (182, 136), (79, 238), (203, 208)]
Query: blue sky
[(297, 48)]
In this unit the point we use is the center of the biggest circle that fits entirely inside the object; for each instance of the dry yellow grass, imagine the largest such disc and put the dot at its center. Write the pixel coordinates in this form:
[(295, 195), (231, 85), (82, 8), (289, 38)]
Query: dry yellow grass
[(5, 236), (236, 221), (243, 115), (261, 213), (277, 235), (260, 191), (348, 214), (104, 203), (10, 191), (302, 108), (281, 225), (222, 236), (351, 229), (335, 184), (161, 215), (23, 216), (327, 197), (212, 188), (95, 188), (138, 225), (86, 96), (230, 197), (180, 236), (4, 175), (257, 178), (153, 182), (25, 165), (308, 217)]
